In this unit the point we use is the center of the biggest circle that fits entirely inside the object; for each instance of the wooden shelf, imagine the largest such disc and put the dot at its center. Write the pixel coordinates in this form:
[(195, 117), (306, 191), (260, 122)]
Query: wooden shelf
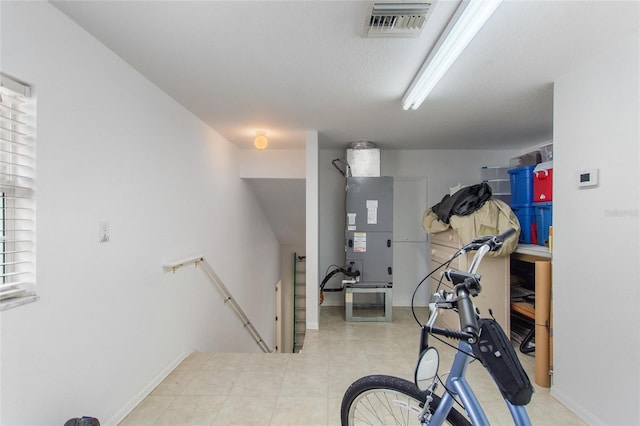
[(524, 308), (541, 313), (532, 252)]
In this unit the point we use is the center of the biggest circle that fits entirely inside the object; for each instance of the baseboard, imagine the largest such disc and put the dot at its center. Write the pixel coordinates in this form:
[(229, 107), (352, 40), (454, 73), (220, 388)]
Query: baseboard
[(576, 408), (140, 396)]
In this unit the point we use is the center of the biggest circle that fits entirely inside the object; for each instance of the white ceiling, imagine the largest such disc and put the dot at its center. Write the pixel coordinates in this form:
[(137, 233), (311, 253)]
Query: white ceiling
[(291, 66)]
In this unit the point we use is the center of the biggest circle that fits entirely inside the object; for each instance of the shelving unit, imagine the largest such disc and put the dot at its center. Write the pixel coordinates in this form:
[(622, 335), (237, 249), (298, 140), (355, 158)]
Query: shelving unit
[(540, 312), (524, 308)]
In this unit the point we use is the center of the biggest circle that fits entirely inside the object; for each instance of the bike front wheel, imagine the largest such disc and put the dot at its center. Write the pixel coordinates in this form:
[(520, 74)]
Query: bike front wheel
[(387, 400)]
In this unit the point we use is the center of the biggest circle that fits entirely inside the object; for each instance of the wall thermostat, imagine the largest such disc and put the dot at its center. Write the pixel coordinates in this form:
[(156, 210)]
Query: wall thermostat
[(587, 178)]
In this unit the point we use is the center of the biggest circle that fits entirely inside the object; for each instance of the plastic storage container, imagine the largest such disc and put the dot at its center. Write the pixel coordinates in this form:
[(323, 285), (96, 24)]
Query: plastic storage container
[(521, 185), (499, 186), (528, 159), (543, 217), (543, 183), (546, 153), (494, 173), (500, 189), (527, 217)]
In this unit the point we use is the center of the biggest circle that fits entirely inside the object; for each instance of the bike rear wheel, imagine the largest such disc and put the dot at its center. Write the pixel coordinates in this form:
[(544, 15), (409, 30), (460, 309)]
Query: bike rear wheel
[(388, 400)]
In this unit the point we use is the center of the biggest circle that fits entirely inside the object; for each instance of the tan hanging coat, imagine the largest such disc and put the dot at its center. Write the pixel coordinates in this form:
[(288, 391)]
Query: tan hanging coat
[(494, 217)]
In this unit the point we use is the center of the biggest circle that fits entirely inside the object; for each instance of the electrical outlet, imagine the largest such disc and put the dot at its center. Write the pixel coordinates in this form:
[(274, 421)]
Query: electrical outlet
[(103, 232)]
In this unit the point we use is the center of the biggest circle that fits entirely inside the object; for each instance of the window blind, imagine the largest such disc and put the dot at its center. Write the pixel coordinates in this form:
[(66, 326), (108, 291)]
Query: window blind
[(17, 189)]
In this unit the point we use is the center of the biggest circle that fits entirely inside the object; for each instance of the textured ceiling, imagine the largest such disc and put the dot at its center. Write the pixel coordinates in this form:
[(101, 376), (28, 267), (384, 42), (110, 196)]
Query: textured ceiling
[(291, 66)]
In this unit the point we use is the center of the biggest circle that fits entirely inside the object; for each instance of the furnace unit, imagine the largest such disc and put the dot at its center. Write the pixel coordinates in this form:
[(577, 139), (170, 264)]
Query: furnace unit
[(369, 232)]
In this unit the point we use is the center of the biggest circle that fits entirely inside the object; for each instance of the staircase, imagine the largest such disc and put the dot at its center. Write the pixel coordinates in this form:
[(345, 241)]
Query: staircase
[(299, 302)]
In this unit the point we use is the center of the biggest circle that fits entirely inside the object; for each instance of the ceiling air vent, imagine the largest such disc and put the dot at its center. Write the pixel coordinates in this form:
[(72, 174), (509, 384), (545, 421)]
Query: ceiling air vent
[(398, 18)]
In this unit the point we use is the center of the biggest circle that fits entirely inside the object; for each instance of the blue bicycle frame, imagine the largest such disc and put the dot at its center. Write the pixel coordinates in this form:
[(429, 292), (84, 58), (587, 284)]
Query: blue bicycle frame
[(457, 385)]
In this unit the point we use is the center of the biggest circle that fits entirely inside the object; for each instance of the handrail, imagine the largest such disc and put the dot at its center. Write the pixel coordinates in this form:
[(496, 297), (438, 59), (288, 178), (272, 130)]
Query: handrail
[(200, 260)]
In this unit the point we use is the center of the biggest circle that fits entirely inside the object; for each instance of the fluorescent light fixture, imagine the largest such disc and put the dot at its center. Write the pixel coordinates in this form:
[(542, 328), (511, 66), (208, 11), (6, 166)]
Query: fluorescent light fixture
[(469, 19)]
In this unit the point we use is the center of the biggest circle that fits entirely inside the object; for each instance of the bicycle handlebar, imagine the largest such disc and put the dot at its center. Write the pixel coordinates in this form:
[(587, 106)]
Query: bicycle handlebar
[(501, 238), (468, 285), (493, 242), (506, 234)]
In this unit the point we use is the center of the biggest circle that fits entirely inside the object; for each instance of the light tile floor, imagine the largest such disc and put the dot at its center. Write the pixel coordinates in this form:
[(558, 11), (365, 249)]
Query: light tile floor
[(306, 389)]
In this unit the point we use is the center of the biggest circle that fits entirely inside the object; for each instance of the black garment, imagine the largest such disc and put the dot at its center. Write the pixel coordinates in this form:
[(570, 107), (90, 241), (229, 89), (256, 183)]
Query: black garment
[(464, 202)]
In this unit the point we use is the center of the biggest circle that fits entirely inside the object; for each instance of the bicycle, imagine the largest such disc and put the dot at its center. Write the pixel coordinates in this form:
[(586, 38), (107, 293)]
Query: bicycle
[(384, 400)]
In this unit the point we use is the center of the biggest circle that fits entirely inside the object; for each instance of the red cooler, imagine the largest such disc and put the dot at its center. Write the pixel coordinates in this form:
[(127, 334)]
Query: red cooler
[(543, 183)]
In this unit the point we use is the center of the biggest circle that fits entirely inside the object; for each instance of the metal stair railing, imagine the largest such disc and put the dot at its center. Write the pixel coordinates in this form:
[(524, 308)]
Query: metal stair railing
[(206, 267)]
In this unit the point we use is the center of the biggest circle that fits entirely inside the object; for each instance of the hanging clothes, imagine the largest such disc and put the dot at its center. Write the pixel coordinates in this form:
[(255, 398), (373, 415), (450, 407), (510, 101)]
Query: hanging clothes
[(494, 217)]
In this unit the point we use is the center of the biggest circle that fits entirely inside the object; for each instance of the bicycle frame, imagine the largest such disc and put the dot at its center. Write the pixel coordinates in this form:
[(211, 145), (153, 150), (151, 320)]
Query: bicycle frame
[(458, 386)]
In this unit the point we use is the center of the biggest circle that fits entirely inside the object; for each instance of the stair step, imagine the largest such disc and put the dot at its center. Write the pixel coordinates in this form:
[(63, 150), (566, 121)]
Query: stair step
[(300, 298)]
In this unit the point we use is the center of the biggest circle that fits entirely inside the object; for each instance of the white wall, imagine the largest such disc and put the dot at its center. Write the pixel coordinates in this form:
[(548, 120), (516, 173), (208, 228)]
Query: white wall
[(442, 169), (283, 166), (112, 147), (596, 297), (272, 163)]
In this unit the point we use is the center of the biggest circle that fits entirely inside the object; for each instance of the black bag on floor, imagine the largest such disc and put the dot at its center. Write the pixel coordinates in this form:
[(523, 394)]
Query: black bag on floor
[(494, 350), (82, 421)]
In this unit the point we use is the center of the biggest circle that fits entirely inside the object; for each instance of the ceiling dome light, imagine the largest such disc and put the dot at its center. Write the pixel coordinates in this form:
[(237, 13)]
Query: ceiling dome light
[(261, 141)]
